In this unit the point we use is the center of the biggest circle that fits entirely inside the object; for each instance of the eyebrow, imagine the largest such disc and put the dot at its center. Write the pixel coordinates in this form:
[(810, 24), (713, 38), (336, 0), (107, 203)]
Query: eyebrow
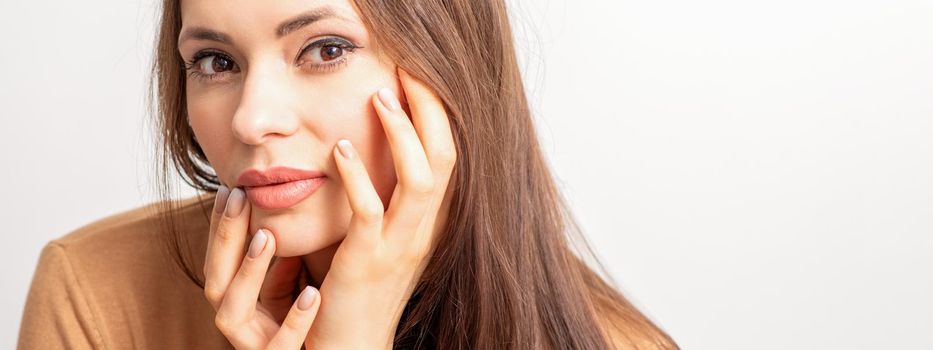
[(304, 19)]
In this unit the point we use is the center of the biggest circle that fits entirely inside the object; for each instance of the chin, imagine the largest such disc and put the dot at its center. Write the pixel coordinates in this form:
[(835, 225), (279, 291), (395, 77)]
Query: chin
[(299, 232)]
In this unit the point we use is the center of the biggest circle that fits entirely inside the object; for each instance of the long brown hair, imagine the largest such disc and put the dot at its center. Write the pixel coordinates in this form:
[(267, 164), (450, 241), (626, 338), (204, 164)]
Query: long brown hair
[(505, 273)]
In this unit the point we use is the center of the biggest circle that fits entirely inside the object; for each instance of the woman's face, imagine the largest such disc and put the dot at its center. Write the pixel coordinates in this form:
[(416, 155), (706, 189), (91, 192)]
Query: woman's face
[(278, 83)]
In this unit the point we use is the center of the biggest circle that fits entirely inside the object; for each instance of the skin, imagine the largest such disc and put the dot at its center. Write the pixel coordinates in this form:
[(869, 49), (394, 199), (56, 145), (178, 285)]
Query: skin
[(370, 227), (280, 109)]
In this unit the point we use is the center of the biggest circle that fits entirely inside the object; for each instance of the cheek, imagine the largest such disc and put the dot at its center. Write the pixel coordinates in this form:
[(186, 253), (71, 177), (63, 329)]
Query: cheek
[(360, 124), (209, 117)]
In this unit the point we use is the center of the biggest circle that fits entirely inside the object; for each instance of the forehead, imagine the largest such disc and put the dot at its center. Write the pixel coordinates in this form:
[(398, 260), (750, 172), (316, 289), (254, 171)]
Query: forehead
[(263, 15)]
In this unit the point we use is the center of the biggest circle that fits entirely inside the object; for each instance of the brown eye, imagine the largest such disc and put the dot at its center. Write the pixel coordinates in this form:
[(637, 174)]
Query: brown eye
[(326, 51), (331, 52), (214, 64), (220, 64), (323, 54)]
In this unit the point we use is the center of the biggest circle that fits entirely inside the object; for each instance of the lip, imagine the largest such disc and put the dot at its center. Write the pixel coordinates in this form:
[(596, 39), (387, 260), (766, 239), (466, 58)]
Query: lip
[(280, 187)]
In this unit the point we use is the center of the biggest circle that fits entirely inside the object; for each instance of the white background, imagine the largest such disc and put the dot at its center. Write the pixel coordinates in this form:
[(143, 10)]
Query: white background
[(756, 175)]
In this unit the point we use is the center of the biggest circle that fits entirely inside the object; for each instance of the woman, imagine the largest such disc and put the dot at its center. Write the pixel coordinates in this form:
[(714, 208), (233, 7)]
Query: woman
[(377, 183)]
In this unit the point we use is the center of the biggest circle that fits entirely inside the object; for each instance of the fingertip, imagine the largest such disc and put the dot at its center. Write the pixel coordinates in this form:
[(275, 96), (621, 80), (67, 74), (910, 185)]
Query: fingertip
[(345, 148), (308, 298), (220, 200), (405, 79), (379, 106), (260, 243), (410, 85), (237, 203), (270, 237), (297, 323), (375, 99)]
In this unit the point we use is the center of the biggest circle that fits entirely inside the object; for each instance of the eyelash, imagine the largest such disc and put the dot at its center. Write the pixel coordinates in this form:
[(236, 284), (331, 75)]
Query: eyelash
[(347, 46)]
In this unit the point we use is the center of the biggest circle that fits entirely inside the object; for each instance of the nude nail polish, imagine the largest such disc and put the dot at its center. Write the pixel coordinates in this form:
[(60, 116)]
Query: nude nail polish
[(221, 199), (257, 244), (307, 298), (388, 99), (235, 202)]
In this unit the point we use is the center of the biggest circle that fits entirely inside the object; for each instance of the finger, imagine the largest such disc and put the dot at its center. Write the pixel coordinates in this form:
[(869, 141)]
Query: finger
[(278, 288), (407, 150), (415, 178), (225, 250), (220, 200), (298, 323), (239, 303), (366, 222), (431, 121)]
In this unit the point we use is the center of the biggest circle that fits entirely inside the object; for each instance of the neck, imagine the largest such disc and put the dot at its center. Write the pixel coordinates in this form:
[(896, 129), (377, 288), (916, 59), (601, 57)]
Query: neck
[(318, 263)]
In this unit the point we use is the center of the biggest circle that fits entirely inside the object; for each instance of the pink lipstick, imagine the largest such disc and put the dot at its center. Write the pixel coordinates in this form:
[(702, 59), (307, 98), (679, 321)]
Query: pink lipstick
[(279, 187)]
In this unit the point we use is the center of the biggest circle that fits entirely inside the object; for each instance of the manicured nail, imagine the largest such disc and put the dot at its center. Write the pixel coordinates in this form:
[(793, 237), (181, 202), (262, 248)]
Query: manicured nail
[(221, 200), (235, 202), (388, 99), (257, 244), (346, 148), (307, 298)]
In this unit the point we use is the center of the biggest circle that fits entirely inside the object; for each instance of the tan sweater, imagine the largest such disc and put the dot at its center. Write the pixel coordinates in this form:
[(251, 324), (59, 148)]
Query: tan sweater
[(110, 285)]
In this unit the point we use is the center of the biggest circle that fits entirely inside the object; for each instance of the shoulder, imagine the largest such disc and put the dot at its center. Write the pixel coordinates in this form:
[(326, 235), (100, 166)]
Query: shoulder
[(131, 248), (118, 229), (110, 281)]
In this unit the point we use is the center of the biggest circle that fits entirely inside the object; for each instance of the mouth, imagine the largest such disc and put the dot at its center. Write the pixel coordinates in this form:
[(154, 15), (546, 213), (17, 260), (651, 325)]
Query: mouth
[(283, 195), (280, 187)]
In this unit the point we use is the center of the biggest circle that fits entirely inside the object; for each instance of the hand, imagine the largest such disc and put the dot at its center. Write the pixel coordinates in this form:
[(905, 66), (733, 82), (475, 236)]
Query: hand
[(378, 264), (276, 322)]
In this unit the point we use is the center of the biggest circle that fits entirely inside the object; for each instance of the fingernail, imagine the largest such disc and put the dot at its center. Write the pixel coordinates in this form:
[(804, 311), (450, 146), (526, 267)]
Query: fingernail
[(257, 244), (221, 200), (306, 298), (388, 99), (235, 202), (346, 148)]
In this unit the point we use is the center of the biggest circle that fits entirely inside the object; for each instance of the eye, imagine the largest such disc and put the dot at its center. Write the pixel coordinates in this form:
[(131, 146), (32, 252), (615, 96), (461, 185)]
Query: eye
[(210, 64), (214, 64), (326, 53)]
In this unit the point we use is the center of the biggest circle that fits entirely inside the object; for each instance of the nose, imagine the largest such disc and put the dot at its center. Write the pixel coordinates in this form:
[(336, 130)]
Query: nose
[(264, 110)]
